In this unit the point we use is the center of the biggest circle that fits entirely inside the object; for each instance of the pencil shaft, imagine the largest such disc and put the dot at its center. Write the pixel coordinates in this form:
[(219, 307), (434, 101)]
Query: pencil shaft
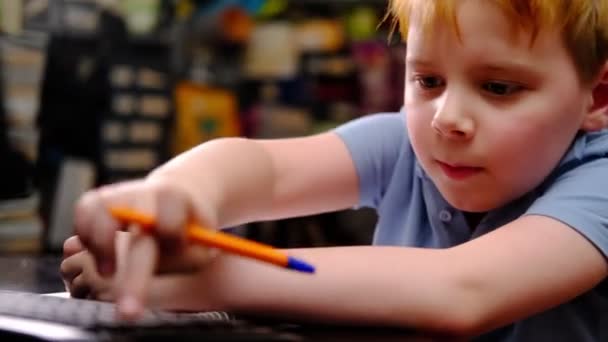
[(209, 237), (237, 245)]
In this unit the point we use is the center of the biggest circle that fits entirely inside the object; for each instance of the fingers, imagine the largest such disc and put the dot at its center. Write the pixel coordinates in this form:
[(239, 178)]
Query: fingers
[(173, 211), (135, 256), (95, 228), (77, 258), (135, 276), (82, 280), (71, 267), (72, 246), (72, 271), (78, 287)]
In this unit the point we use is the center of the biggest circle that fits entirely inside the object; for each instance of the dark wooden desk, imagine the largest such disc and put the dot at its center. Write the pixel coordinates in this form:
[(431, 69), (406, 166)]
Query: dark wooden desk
[(40, 274)]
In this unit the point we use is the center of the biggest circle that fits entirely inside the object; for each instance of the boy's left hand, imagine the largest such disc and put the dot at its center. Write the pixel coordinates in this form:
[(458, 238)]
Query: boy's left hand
[(166, 291), (80, 275)]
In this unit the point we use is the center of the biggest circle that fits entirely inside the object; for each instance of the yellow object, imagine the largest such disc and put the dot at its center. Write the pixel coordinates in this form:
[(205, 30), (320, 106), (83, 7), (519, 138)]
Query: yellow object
[(184, 9), (203, 113), (141, 16), (320, 35), (273, 7)]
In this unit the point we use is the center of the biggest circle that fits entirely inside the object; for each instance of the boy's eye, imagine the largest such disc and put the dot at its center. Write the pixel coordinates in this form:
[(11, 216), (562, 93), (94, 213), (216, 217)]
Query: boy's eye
[(501, 88), (429, 82)]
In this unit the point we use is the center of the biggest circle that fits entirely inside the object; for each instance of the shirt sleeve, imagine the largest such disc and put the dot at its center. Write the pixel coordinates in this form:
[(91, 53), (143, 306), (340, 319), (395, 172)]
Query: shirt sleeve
[(579, 198), (374, 143)]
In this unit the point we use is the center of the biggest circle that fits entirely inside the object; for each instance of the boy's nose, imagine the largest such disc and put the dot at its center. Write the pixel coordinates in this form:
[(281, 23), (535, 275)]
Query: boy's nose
[(451, 122)]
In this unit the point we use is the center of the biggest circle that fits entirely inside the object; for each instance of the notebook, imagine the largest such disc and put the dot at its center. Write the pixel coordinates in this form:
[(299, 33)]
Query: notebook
[(36, 317)]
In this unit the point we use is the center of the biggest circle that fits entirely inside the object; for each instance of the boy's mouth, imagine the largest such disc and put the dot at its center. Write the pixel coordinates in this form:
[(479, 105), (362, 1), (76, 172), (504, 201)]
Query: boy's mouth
[(458, 172)]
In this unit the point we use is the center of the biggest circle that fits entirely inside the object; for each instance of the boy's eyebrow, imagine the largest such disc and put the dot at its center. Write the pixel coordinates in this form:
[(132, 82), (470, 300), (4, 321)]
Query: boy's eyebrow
[(495, 66), (417, 62), (508, 66)]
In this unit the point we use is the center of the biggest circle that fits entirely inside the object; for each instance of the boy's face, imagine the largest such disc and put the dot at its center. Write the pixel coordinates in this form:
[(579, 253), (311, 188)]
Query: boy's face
[(489, 115)]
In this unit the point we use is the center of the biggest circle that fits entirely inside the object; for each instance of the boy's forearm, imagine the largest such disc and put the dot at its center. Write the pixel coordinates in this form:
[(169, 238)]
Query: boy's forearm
[(232, 176), (363, 285)]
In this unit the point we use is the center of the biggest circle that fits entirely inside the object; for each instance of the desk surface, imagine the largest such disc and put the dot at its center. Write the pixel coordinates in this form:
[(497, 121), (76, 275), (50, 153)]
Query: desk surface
[(30, 273), (40, 275)]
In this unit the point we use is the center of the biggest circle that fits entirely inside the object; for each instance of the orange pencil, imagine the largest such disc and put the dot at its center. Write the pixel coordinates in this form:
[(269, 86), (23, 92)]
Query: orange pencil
[(215, 238)]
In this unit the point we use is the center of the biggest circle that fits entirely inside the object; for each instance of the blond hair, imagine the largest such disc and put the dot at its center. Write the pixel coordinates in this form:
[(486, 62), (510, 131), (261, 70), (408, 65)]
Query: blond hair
[(584, 24)]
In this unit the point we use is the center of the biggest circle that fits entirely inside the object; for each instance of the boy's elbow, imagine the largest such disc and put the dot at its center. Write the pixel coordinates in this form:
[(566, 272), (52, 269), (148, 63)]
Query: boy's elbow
[(460, 312), (461, 322), (466, 314)]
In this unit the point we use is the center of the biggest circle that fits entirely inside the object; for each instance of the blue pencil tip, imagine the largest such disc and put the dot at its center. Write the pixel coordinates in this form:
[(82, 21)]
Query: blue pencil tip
[(299, 265)]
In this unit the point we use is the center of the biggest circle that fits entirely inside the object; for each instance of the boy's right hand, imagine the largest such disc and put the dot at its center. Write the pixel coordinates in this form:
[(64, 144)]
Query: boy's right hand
[(164, 251)]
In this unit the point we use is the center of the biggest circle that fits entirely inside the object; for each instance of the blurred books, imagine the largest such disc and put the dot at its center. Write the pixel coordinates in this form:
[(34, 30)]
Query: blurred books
[(20, 225), (23, 59)]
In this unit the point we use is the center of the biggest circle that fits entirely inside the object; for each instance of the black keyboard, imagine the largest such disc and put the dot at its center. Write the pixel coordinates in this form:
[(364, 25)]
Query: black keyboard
[(155, 325)]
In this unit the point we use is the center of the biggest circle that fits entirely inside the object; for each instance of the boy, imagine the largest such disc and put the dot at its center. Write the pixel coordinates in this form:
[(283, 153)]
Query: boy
[(491, 192)]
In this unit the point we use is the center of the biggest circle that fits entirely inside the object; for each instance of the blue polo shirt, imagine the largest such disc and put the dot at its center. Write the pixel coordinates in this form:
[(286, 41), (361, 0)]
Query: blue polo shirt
[(412, 212)]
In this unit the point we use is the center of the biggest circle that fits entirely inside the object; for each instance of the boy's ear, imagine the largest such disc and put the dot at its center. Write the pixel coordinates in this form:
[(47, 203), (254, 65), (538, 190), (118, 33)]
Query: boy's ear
[(597, 118)]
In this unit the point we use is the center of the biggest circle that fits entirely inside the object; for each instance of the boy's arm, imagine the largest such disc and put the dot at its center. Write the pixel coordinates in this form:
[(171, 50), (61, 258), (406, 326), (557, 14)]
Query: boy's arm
[(253, 180), (527, 266), (220, 183)]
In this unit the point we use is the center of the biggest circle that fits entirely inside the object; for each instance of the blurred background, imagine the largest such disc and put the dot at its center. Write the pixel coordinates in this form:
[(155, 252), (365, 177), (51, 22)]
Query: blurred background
[(95, 92)]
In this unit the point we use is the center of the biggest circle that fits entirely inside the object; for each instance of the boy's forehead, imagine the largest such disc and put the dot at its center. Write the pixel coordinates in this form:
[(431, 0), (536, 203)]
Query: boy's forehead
[(582, 25), (486, 35), (516, 15), (480, 20)]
